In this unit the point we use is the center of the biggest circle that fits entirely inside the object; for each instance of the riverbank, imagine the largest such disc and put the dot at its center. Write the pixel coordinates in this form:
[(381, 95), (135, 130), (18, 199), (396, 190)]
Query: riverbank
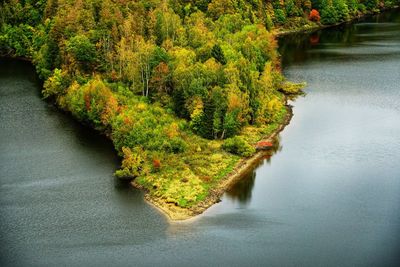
[(176, 213), (313, 26)]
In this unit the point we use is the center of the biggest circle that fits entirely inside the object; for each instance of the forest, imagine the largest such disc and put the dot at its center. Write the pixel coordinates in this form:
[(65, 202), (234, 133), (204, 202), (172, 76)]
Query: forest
[(184, 89)]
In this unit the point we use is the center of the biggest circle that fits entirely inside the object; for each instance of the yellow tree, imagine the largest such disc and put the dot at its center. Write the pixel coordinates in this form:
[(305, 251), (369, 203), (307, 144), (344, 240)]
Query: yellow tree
[(218, 8)]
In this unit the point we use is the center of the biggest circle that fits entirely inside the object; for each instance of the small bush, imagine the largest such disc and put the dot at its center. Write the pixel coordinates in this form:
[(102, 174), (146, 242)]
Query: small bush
[(280, 16), (156, 165), (175, 145), (289, 88), (389, 3), (132, 164), (237, 145), (342, 10), (329, 15), (56, 84), (362, 8), (371, 4), (314, 15), (178, 145)]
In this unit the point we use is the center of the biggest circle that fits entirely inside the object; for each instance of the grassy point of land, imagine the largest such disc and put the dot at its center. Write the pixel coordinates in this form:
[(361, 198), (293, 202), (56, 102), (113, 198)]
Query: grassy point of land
[(184, 89), (229, 172)]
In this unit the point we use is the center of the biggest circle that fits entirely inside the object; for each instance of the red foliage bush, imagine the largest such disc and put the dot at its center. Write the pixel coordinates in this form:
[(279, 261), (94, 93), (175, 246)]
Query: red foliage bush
[(264, 144), (314, 15), (156, 164)]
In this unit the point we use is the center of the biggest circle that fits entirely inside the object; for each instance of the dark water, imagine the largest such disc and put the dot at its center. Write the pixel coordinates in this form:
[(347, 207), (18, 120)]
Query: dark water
[(329, 197)]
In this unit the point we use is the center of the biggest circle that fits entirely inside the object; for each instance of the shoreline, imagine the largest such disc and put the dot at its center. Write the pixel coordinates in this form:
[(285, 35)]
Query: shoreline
[(319, 26), (176, 213)]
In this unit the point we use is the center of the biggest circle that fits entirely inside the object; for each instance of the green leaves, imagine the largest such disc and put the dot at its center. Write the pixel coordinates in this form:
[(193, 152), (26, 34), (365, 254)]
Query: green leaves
[(237, 145), (55, 85), (16, 40), (217, 53), (82, 49)]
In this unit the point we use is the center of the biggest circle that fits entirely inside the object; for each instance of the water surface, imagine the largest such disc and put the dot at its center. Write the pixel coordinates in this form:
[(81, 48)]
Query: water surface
[(329, 197)]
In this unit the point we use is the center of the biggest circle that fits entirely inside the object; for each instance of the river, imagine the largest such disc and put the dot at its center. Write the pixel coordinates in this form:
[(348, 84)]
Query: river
[(329, 197)]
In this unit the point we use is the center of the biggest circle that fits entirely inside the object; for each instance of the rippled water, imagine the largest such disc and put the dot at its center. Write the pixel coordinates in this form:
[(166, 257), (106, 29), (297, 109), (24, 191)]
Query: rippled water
[(329, 197)]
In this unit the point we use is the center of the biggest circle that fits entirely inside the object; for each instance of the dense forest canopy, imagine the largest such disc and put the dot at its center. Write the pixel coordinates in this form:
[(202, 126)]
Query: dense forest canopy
[(212, 62), (159, 76)]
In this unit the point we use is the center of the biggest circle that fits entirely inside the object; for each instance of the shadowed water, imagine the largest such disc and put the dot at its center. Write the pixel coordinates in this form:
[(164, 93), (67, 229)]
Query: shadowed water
[(329, 197)]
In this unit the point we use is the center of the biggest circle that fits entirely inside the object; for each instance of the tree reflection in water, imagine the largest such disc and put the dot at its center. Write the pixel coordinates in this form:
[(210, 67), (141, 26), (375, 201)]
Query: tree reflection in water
[(241, 191)]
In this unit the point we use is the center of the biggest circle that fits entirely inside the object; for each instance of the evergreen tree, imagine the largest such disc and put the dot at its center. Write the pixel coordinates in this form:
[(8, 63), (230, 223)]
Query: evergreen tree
[(218, 54)]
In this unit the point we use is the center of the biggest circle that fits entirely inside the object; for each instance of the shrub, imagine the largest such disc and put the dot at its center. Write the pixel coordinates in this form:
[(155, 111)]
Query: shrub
[(389, 3), (291, 9), (237, 145), (132, 164), (352, 6), (156, 165), (314, 15), (342, 10), (329, 15), (362, 8), (16, 40), (290, 88), (371, 4), (175, 145), (280, 16), (92, 102), (55, 85), (178, 145)]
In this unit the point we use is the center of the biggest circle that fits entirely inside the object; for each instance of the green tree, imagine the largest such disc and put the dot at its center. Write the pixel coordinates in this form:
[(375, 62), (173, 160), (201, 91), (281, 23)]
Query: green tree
[(218, 54), (280, 16), (342, 10), (328, 13), (82, 50)]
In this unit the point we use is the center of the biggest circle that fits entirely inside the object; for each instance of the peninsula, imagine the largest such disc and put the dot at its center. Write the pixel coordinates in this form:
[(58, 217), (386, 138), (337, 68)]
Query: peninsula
[(184, 89)]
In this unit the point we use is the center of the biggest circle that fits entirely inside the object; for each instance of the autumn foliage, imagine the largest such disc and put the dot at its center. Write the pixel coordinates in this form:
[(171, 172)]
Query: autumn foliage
[(156, 164), (264, 145), (314, 15)]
